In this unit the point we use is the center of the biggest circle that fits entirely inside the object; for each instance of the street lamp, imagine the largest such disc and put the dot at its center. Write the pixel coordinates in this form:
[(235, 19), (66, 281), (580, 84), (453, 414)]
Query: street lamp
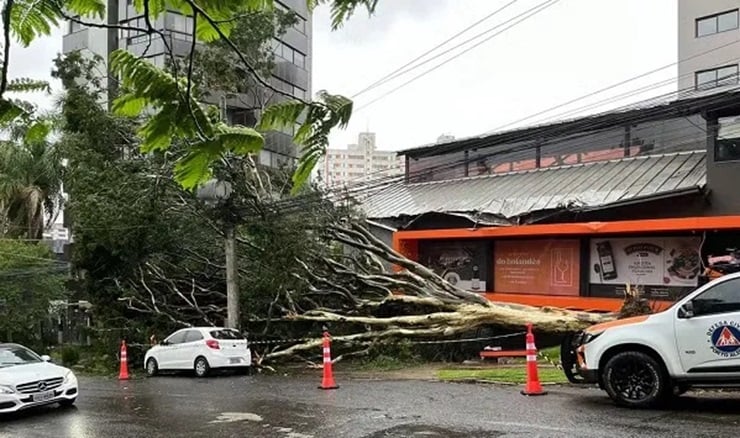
[(213, 192)]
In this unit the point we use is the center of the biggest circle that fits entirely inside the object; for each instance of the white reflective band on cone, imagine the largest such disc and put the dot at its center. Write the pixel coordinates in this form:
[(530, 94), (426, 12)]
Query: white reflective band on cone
[(531, 346), (531, 358)]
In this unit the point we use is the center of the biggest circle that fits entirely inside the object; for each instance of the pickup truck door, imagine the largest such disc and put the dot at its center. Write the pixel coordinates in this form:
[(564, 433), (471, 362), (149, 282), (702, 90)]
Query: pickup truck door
[(708, 341)]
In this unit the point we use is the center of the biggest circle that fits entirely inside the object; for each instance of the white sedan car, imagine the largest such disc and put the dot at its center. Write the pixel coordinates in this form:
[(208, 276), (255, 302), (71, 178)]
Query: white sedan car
[(200, 349), (28, 380)]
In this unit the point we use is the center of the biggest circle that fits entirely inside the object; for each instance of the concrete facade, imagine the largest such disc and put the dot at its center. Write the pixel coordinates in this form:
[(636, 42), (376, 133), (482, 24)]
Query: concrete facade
[(708, 43), (360, 162)]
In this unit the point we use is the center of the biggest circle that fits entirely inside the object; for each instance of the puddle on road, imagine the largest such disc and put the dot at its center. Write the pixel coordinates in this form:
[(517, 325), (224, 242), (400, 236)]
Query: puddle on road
[(233, 417), (425, 431)]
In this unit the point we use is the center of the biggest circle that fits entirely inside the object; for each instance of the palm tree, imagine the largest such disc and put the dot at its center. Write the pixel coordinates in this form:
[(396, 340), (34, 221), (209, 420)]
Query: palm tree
[(30, 184)]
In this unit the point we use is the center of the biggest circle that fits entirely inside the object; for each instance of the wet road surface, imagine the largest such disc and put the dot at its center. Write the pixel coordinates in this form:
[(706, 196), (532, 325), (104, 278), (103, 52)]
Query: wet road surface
[(293, 407)]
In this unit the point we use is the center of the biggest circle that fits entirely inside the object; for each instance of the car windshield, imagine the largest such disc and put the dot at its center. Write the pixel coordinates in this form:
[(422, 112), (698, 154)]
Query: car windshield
[(16, 355), (226, 334)]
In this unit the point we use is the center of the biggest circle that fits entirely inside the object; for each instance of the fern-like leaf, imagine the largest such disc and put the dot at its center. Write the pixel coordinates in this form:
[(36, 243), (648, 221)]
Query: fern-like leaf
[(24, 85), (239, 140), (342, 10), (86, 8), (38, 132), (30, 19), (195, 167), (281, 115), (9, 111)]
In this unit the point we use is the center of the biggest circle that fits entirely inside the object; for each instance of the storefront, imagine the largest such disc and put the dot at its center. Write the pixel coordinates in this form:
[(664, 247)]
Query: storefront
[(575, 265)]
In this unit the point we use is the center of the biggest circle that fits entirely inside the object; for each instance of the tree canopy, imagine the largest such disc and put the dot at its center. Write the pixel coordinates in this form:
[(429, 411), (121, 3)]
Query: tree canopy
[(174, 114)]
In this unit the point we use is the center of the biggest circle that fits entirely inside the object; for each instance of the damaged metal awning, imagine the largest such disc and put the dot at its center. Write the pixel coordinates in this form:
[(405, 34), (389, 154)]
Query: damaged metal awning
[(575, 187)]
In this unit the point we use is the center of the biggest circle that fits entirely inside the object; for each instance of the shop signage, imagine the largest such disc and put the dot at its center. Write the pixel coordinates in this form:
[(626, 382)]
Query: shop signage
[(543, 267), (661, 265), (462, 263)]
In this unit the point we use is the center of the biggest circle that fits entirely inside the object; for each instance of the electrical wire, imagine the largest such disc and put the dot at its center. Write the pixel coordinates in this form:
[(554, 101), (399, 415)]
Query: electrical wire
[(400, 70), (527, 14)]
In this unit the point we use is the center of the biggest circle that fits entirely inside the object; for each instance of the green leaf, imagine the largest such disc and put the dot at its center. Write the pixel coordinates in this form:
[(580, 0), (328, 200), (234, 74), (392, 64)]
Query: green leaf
[(195, 167), (9, 111), (156, 7), (342, 10), (27, 85), (281, 115), (37, 132), (86, 8), (158, 131), (239, 140), (129, 105), (30, 19)]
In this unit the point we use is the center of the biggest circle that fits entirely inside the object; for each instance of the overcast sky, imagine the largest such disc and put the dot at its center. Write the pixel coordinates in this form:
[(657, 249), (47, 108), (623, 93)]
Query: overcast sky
[(564, 52)]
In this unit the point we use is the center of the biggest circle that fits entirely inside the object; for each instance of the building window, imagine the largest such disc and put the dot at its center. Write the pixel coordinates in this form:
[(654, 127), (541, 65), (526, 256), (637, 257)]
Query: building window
[(716, 77), (727, 144), (717, 23)]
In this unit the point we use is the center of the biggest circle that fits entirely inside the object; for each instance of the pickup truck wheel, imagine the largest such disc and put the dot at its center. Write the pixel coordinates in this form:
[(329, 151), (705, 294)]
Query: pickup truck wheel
[(569, 361), (634, 379)]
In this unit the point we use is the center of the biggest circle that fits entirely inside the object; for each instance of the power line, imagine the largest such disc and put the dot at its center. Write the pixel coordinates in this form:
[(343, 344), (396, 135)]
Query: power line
[(382, 182), (610, 87), (527, 14), (393, 74)]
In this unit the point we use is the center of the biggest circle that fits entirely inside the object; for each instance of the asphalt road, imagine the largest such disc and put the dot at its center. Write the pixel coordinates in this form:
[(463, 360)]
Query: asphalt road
[(293, 407)]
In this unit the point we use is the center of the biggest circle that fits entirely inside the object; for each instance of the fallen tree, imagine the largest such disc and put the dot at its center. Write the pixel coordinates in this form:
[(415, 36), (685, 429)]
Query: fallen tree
[(412, 302)]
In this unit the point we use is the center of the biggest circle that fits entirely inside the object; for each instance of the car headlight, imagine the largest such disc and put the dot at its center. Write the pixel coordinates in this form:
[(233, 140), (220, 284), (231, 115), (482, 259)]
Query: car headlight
[(70, 378), (5, 389), (588, 337)]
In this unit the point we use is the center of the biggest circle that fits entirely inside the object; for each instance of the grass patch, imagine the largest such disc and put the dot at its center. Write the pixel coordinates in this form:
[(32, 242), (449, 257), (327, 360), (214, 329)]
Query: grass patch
[(385, 363), (503, 374)]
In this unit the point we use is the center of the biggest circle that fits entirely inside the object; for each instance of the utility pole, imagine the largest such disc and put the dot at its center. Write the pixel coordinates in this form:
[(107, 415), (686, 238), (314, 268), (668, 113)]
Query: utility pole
[(232, 286), (212, 192)]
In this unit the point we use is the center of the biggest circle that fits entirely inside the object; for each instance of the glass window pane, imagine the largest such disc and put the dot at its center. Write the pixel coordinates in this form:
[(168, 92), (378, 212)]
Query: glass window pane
[(706, 79), (727, 75), (299, 59), (728, 21), (722, 298), (706, 26)]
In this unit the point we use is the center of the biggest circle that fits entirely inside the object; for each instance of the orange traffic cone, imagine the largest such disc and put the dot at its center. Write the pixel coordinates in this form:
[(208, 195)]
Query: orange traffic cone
[(328, 381), (123, 373), (533, 386)]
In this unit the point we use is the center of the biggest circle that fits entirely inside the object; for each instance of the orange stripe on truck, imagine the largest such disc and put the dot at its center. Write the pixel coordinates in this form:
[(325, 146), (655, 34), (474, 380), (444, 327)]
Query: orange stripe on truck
[(619, 322)]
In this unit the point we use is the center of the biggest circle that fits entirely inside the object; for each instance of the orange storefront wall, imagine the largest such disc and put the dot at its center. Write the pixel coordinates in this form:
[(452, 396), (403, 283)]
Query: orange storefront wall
[(538, 267), (406, 242)]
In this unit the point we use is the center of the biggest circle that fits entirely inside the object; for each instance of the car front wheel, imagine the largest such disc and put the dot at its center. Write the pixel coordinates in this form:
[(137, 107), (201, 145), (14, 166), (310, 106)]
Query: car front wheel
[(634, 379), (152, 367), (201, 367)]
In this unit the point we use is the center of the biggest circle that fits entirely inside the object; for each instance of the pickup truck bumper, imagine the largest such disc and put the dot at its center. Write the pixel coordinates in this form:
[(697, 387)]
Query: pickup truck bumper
[(574, 361), (589, 376)]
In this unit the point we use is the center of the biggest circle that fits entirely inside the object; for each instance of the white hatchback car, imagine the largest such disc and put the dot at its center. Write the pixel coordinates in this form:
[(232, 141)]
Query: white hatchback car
[(200, 349), (28, 380)]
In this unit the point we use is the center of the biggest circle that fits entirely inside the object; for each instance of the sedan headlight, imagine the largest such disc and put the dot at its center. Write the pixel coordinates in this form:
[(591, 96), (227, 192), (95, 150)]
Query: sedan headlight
[(5, 389), (70, 378)]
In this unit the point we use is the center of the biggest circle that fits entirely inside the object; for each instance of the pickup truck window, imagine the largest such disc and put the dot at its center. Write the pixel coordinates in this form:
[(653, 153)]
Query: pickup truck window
[(721, 298)]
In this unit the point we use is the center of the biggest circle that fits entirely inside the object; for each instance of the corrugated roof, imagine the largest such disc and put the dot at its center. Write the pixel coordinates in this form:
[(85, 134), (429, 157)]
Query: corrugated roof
[(509, 195)]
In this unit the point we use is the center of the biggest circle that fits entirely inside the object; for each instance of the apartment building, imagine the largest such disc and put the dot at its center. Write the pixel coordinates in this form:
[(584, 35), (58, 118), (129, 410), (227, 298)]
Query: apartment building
[(292, 72), (360, 162), (708, 43)]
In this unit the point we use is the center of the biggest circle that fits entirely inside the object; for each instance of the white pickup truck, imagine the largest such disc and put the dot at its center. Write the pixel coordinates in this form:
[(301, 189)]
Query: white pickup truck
[(642, 361)]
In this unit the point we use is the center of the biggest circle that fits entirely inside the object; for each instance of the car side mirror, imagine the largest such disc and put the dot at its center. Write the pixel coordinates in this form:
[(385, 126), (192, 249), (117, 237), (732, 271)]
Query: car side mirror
[(164, 343), (46, 358), (687, 310)]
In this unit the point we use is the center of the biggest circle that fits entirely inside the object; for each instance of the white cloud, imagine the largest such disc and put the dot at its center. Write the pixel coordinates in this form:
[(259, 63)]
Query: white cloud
[(36, 62)]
